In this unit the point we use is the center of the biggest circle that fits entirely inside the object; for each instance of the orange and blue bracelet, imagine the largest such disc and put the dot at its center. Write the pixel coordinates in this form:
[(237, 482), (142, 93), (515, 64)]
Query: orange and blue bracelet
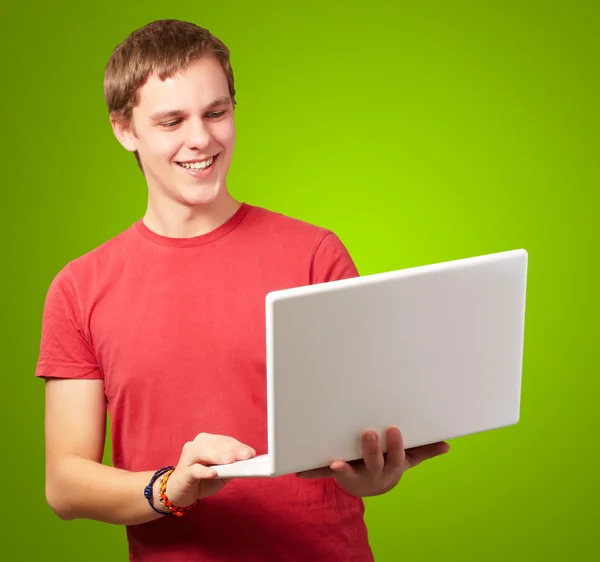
[(178, 511), (148, 490)]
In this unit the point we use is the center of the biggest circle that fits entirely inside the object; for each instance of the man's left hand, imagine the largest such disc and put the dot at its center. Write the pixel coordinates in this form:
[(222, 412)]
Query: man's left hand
[(377, 473)]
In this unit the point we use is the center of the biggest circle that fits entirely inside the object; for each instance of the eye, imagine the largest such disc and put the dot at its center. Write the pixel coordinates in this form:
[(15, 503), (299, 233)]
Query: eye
[(171, 123), (215, 114)]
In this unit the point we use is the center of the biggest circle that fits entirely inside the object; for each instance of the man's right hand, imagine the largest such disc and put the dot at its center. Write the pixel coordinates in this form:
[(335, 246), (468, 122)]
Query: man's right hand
[(193, 478)]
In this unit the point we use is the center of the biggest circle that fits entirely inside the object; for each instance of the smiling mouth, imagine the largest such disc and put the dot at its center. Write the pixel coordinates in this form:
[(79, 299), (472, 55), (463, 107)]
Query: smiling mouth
[(198, 164)]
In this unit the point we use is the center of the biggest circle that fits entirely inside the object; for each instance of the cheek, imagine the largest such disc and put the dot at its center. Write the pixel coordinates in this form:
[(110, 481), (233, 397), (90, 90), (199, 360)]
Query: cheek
[(168, 147), (163, 146), (225, 135)]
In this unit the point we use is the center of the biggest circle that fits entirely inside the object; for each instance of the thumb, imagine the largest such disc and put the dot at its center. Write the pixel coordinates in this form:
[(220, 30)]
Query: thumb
[(417, 455), (209, 488)]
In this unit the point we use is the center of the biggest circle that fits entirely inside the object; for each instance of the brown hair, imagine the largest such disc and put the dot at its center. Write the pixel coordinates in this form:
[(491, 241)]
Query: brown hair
[(163, 47)]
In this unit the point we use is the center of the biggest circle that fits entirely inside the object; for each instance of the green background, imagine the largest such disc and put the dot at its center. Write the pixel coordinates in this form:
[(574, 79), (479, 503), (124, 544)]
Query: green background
[(419, 132)]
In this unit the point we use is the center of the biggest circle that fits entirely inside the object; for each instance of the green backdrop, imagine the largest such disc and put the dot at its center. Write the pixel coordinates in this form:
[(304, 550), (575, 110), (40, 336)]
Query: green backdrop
[(419, 132)]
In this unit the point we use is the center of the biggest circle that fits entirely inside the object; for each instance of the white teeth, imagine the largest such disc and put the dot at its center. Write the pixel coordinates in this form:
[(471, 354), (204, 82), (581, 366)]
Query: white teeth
[(197, 165)]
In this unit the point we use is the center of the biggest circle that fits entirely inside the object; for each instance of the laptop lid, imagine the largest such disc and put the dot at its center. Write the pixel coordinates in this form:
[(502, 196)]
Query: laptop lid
[(435, 350)]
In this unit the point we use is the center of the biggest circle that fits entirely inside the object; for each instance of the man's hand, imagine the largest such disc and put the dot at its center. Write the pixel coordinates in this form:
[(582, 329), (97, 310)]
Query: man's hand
[(377, 474), (193, 478)]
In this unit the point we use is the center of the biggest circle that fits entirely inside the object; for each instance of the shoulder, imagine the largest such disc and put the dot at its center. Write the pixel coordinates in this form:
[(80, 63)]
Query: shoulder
[(98, 261), (286, 226), (103, 256), (328, 256)]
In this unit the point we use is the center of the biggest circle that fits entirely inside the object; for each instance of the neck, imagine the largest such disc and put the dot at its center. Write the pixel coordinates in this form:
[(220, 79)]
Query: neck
[(174, 220)]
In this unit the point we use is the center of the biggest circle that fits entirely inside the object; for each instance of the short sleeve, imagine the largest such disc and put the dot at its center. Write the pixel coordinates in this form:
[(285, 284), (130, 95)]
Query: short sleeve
[(64, 351), (331, 261)]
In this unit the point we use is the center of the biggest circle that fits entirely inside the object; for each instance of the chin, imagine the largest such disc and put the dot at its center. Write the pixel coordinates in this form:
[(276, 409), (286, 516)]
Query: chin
[(201, 195)]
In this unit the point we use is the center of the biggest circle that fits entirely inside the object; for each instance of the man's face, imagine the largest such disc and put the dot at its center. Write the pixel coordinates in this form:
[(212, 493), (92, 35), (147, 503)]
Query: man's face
[(183, 130)]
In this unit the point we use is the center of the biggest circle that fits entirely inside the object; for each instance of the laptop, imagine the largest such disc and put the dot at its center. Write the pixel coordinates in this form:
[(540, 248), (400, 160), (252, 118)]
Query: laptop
[(435, 350)]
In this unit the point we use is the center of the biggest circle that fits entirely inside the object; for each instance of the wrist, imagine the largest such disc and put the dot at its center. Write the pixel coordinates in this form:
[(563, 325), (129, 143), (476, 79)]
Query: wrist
[(156, 501), (178, 510), (152, 491)]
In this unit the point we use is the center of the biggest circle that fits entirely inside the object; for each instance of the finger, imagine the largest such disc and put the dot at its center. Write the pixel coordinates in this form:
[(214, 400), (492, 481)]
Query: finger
[(231, 449), (395, 455), (344, 472), (200, 472), (417, 455), (204, 452), (372, 453), (235, 453), (210, 449)]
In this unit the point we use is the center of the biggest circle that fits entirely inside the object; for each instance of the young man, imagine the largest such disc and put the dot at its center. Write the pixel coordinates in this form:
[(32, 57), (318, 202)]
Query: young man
[(163, 327)]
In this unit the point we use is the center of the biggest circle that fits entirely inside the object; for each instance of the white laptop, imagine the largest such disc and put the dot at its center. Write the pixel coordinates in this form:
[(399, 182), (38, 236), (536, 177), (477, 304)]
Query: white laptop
[(435, 350)]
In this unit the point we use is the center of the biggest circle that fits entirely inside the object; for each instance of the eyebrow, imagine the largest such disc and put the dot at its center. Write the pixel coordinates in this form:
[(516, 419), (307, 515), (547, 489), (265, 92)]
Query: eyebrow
[(170, 113)]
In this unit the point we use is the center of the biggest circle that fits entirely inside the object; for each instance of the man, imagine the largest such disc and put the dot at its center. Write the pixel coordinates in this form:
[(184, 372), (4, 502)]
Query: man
[(163, 327)]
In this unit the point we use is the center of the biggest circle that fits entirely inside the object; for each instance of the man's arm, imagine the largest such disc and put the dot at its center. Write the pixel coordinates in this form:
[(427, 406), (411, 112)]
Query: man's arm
[(79, 486)]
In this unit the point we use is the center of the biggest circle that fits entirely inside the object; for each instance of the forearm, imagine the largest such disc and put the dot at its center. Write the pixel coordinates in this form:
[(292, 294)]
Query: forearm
[(78, 488)]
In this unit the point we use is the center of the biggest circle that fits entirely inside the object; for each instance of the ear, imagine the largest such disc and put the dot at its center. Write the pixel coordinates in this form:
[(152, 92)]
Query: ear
[(123, 132)]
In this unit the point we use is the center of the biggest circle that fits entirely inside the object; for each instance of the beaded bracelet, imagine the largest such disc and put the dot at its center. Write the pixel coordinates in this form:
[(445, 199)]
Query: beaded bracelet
[(178, 511), (148, 490)]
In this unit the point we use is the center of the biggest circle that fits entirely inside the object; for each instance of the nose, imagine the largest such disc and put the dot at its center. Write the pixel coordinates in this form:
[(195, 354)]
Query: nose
[(197, 134)]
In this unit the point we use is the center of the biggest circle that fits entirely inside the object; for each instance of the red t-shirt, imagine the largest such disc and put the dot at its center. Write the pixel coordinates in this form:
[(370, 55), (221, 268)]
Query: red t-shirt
[(175, 328)]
